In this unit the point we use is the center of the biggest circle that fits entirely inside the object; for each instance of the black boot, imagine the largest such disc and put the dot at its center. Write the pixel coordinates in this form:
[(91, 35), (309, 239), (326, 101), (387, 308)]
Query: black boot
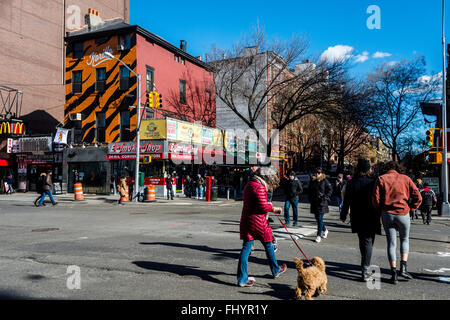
[(394, 279), (403, 272)]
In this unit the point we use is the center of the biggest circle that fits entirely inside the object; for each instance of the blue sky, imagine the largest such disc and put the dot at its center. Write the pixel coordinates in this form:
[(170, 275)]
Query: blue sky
[(408, 28)]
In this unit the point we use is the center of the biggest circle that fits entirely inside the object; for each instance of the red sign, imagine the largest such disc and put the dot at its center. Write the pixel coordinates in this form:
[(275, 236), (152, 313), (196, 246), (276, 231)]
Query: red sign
[(133, 156), (158, 181)]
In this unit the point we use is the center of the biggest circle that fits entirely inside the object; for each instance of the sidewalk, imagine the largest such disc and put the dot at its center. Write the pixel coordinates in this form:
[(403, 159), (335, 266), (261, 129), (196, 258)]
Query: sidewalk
[(112, 199)]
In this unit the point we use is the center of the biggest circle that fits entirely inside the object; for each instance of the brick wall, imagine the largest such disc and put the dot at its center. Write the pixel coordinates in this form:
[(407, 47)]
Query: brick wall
[(31, 53)]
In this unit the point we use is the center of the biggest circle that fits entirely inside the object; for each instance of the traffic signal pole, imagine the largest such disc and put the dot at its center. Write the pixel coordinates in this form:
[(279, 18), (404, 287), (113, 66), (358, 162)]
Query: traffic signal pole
[(445, 209)]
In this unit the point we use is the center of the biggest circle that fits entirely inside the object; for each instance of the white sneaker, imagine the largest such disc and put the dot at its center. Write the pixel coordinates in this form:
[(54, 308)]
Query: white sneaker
[(318, 239), (325, 234)]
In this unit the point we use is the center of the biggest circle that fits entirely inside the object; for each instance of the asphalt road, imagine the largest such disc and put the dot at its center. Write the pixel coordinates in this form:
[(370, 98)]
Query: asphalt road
[(188, 250)]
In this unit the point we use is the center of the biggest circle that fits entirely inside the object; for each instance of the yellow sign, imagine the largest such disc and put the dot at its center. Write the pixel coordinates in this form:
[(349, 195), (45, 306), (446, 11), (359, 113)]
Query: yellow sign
[(153, 129), (217, 138), (188, 132)]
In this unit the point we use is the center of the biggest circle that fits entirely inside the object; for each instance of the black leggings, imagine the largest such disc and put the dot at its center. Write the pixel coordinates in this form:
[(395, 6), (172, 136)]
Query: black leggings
[(366, 241)]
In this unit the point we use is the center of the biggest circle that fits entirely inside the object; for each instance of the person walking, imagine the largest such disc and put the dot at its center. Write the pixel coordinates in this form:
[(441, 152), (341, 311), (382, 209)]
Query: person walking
[(188, 186), (47, 189), (292, 188), (365, 220), (122, 188), (429, 201), (254, 226), (414, 213), (394, 196), (169, 186), (199, 187), (10, 182), (320, 191), (339, 190)]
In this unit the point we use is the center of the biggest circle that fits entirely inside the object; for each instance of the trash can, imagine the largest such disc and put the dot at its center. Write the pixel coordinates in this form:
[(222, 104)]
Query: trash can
[(214, 193)]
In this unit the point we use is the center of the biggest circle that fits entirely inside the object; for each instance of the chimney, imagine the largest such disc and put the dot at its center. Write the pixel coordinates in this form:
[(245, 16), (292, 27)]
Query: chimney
[(250, 51), (93, 18), (183, 45)]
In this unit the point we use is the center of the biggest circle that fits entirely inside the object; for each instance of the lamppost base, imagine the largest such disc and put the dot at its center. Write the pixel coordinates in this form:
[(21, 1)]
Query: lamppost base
[(445, 209)]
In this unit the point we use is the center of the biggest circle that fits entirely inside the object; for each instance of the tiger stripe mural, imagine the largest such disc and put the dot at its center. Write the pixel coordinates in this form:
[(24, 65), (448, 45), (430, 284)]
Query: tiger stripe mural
[(90, 100)]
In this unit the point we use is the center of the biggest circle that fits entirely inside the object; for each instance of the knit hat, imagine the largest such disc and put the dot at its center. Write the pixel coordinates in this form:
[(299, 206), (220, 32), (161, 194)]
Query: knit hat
[(363, 165)]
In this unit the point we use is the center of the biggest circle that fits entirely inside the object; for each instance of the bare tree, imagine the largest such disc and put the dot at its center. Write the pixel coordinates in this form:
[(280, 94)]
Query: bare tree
[(262, 81), (397, 92), (196, 104)]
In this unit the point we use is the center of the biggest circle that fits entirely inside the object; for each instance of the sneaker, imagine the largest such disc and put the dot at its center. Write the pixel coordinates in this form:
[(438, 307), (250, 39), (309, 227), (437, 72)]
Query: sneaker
[(250, 282), (54, 204), (294, 224), (318, 239), (325, 234), (283, 269)]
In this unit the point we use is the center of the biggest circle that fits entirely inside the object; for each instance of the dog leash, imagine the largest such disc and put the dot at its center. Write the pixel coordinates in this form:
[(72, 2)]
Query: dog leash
[(293, 239)]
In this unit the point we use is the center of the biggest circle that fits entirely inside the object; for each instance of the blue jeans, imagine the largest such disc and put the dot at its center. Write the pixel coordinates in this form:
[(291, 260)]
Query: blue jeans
[(50, 195), (287, 205), (242, 273), (340, 202), (199, 191), (320, 226)]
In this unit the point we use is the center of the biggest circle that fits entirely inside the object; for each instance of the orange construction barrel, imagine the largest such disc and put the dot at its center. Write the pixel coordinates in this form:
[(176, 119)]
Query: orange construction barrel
[(78, 187), (150, 194), (126, 197)]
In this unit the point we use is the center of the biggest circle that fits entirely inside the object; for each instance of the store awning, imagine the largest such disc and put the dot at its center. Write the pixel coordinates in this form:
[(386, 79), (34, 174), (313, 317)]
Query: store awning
[(3, 163)]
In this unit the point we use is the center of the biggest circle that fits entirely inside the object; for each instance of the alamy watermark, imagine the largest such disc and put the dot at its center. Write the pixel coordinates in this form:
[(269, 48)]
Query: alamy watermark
[(374, 20), (375, 278)]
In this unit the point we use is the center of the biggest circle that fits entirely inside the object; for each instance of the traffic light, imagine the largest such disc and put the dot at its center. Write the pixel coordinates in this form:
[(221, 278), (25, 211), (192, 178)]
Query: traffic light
[(433, 157), (158, 103), (430, 138), (146, 160), (150, 99)]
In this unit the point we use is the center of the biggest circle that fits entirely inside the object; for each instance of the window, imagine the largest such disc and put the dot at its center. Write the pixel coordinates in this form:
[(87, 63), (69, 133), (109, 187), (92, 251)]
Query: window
[(150, 78), (183, 91), (77, 84), (100, 83), (124, 81), (124, 42), (78, 50), (101, 127), (125, 126), (176, 58), (182, 60)]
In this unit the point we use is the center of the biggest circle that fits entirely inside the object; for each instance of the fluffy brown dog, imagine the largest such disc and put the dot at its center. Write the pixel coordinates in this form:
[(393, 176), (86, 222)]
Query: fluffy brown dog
[(311, 281)]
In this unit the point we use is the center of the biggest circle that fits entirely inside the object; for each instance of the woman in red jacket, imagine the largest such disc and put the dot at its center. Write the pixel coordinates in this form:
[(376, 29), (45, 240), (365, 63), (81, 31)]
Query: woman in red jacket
[(254, 226)]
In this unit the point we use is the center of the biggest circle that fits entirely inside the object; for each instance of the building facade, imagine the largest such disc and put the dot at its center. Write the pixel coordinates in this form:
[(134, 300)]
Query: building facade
[(101, 95)]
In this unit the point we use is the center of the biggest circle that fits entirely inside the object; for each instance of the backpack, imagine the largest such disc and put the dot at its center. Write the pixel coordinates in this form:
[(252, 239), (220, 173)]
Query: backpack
[(427, 197)]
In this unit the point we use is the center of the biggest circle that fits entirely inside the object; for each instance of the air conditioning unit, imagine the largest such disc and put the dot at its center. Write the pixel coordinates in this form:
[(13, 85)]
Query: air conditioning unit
[(75, 117)]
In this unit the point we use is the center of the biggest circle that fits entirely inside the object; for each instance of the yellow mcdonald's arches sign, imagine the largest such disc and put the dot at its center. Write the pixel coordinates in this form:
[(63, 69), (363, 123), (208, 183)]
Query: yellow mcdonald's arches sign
[(11, 128), (5, 127), (17, 128)]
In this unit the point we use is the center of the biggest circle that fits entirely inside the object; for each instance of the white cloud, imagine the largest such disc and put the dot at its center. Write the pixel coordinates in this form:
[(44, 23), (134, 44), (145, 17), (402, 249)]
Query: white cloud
[(380, 54), (432, 78), (337, 53), (362, 57)]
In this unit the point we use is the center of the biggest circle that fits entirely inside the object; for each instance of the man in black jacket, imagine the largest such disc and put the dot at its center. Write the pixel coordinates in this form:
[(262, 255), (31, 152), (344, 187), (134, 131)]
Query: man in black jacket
[(292, 188)]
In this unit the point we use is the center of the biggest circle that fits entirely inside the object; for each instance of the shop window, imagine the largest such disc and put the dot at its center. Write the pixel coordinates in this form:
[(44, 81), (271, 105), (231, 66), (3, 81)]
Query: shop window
[(100, 83), (101, 127), (150, 78), (77, 83), (125, 126), (182, 91), (124, 81), (78, 50)]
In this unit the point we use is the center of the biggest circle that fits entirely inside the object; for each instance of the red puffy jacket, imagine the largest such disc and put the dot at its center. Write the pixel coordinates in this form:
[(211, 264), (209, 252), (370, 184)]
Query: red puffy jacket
[(254, 225)]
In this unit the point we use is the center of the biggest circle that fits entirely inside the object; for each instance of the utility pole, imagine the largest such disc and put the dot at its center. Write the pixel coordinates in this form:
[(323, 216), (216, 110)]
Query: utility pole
[(445, 209)]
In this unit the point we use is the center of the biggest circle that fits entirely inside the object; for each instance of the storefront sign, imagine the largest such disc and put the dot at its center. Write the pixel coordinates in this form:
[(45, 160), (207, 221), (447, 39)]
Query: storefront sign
[(171, 126), (182, 148), (38, 144), (217, 138), (146, 147), (158, 181), (207, 136), (188, 132), (11, 127), (153, 129), (12, 146), (154, 156)]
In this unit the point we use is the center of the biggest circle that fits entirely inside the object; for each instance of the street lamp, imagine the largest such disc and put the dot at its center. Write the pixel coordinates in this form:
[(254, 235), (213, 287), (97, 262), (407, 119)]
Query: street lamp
[(138, 125)]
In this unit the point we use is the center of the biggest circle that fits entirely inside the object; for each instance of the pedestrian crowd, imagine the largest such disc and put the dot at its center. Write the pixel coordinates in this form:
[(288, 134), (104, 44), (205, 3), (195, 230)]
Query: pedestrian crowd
[(372, 203)]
